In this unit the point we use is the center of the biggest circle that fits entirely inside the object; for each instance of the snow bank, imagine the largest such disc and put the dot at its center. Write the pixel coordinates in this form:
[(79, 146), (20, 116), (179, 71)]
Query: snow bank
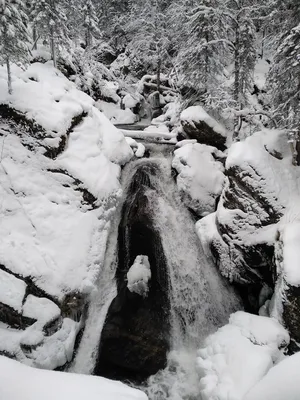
[(45, 95), (139, 275), (238, 355), (20, 382), (200, 177), (281, 382), (95, 148), (197, 114), (115, 114)]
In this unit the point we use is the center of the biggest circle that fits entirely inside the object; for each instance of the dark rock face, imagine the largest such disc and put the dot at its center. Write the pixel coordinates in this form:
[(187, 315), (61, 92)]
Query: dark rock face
[(204, 134), (134, 340)]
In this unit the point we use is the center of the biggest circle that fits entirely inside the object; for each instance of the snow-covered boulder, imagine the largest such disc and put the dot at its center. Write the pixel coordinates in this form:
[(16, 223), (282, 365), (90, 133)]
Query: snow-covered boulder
[(200, 177), (19, 381), (197, 124), (281, 382), (139, 275), (238, 355), (261, 183)]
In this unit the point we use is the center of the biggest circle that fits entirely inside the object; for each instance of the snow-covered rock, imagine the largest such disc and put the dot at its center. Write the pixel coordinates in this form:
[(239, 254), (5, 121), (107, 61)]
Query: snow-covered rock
[(200, 177), (115, 114), (59, 187), (139, 275), (261, 184), (238, 355), (19, 381), (285, 304), (281, 382), (197, 124)]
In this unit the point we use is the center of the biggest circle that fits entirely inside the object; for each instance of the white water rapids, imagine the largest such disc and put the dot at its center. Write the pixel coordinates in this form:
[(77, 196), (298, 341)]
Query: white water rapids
[(200, 299)]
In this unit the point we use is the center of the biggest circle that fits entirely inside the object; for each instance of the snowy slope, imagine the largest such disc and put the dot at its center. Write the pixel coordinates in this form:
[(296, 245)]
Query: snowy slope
[(19, 382), (55, 213)]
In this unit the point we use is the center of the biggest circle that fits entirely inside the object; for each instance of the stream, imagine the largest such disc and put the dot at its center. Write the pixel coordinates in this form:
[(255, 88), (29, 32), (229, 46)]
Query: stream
[(151, 342)]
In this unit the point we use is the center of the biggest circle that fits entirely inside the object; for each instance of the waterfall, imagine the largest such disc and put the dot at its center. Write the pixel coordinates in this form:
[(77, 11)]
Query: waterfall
[(199, 299)]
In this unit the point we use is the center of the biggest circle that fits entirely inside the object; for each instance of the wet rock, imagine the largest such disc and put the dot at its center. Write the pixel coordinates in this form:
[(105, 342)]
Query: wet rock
[(134, 340)]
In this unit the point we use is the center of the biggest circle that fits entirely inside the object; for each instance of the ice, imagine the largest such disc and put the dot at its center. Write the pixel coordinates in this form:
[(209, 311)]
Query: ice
[(139, 275), (18, 381)]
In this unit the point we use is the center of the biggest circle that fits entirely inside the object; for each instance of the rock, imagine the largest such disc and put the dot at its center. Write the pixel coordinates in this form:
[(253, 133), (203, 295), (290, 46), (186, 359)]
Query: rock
[(134, 341), (200, 177), (197, 124), (285, 304), (242, 234)]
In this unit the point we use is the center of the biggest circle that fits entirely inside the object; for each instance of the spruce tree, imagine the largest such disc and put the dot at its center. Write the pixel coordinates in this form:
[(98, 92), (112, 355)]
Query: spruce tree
[(14, 37), (204, 55), (49, 19), (91, 22)]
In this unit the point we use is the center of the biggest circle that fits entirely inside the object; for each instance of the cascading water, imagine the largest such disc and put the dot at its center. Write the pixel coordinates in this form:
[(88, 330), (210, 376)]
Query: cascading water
[(198, 299)]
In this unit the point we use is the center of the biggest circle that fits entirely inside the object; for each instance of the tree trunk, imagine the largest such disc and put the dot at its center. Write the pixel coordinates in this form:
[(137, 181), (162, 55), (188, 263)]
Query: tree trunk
[(52, 45), (158, 74), (9, 85), (35, 38)]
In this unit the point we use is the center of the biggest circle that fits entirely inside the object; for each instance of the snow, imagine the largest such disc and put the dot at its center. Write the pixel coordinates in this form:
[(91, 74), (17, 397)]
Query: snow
[(197, 114), (12, 290), (18, 382), (115, 114), (260, 73), (290, 236), (281, 382), (138, 148), (45, 95), (96, 145), (157, 132), (184, 142), (40, 308), (52, 232), (200, 178), (139, 275), (238, 355)]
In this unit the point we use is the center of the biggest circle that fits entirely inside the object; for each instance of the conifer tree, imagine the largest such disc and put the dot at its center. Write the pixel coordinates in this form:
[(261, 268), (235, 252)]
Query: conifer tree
[(204, 54), (91, 22), (14, 36), (49, 19)]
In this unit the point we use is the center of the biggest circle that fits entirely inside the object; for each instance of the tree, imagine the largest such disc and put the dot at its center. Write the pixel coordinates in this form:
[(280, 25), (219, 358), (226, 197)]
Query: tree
[(149, 35), (14, 36), (91, 22), (205, 52), (240, 14), (49, 19)]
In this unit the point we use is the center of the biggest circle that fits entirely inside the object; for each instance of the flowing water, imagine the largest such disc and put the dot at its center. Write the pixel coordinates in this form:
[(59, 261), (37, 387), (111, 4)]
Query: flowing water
[(200, 299)]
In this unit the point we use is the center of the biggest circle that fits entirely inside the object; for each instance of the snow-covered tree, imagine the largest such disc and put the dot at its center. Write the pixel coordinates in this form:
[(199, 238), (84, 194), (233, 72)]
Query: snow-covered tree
[(91, 22), (49, 19), (205, 53), (14, 36), (149, 35)]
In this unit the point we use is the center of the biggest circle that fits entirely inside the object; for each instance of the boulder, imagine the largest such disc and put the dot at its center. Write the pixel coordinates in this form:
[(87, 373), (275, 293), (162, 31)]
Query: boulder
[(242, 234), (197, 124)]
